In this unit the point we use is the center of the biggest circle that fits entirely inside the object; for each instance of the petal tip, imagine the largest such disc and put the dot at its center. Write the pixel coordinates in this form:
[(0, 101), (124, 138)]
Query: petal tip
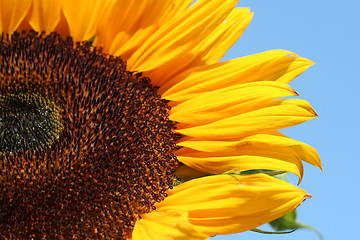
[(307, 196)]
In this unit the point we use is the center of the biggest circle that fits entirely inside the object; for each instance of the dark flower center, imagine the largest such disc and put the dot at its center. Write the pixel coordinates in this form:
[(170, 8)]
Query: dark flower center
[(85, 146), (27, 121)]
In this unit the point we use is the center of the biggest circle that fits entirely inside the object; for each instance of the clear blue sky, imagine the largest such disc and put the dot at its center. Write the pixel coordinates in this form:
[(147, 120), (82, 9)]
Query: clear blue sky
[(327, 32)]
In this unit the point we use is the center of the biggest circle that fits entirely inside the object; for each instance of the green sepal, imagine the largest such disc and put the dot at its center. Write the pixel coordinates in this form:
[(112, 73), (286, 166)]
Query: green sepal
[(285, 222), (288, 222)]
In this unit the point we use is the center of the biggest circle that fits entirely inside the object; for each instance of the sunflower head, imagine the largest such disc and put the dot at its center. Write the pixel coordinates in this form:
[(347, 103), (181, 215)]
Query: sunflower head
[(83, 140), (95, 135)]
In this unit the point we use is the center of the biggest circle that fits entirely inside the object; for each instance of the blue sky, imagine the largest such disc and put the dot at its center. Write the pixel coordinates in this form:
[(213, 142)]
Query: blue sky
[(326, 32)]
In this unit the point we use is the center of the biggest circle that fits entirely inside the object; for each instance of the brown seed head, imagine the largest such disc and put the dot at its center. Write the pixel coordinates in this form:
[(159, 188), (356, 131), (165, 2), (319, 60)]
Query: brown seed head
[(86, 146)]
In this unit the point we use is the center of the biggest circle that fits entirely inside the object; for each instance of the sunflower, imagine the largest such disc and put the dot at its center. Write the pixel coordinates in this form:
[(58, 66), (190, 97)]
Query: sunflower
[(119, 121)]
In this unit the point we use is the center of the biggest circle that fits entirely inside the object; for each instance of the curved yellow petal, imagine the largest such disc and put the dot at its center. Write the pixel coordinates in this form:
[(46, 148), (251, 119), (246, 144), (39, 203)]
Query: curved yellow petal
[(301, 103), (179, 7), (45, 15), (166, 225), (226, 102), (229, 31), (248, 157), (210, 49), (294, 70), (305, 151), (226, 204), (177, 37), (275, 65), (279, 114), (12, 13), (127, 24), (83, 16), (277, 142)]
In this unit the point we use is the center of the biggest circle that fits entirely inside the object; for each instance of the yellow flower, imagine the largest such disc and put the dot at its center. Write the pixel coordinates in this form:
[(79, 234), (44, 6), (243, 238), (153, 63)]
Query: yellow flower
[(91, 140)]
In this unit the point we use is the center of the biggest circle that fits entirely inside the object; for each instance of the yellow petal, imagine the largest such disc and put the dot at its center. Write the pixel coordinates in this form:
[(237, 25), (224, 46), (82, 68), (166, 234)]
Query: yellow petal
[(12, 13), (276, 65), (180, 35), (124, 43), (248, 157), (226, 102), (166, 225), (83, 16), (285, 114), (277, 142), (45, 15), (226, 204), (127, 24), (219, 42), (209, 50)]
